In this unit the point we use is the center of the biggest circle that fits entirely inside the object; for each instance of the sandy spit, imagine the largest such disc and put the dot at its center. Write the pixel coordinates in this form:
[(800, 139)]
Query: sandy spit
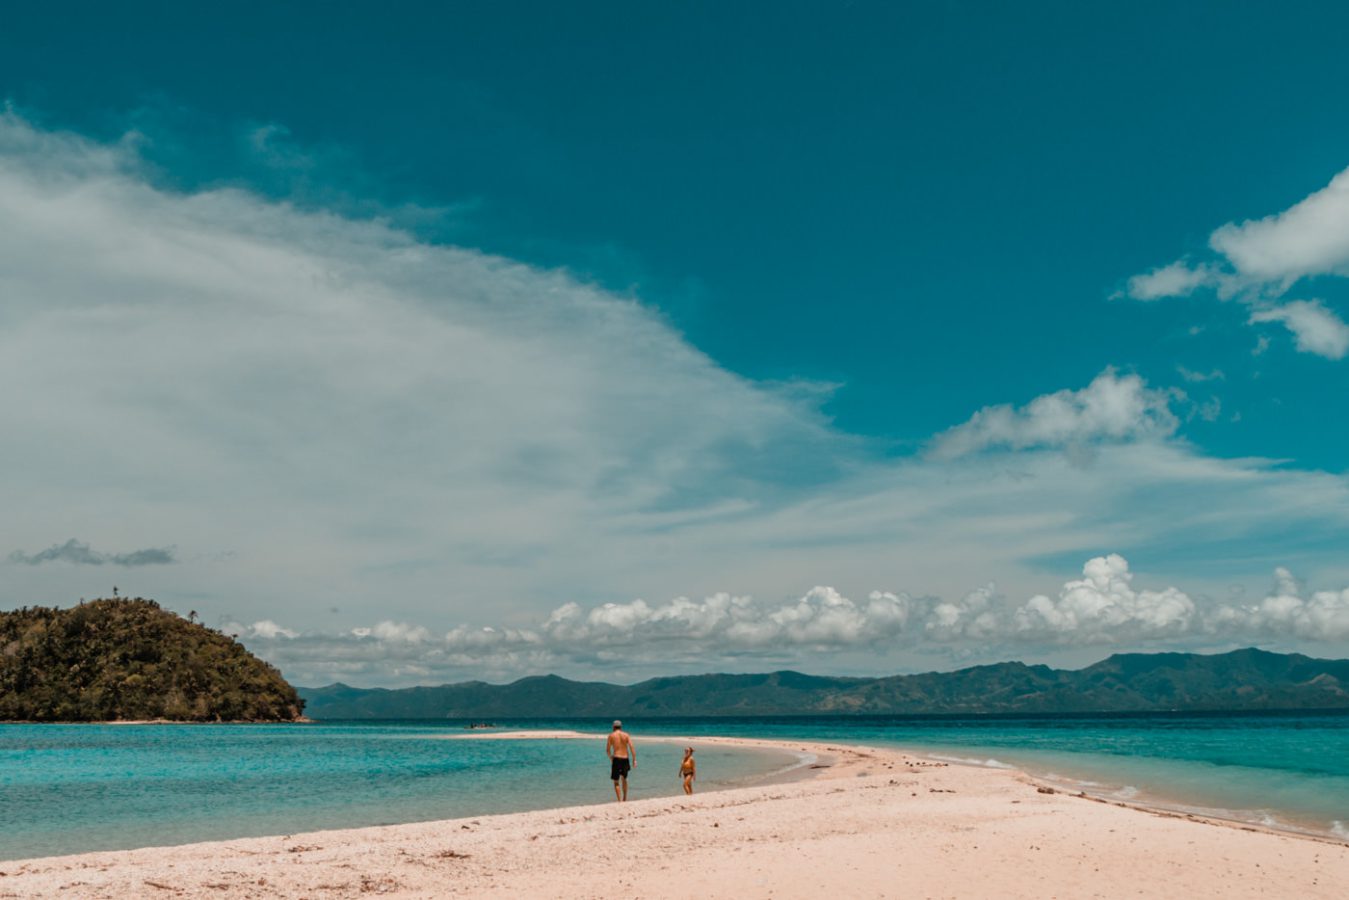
[(870, 823)]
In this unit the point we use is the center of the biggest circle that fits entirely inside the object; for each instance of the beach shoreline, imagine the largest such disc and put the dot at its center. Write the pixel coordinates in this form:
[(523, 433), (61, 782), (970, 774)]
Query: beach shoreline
[(808, 761), (804, 769), (871, 821), (1149, 802)]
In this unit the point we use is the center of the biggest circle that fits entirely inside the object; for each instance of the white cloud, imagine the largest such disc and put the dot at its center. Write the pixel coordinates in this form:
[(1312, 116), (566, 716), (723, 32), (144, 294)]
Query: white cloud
[(1317, 329), (423, 450), (395, 632), (339, 404), (975, 616), (1200, 377), (1322, 617), (1262, 259), (821, 618), (1111, 408), (1101, 608), (1175, 280), (1265, 256), (269, 630), (1309, 238)]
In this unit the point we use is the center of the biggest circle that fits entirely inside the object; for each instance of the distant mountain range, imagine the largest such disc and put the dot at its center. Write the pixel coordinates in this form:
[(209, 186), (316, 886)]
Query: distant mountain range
[(1248, 679)]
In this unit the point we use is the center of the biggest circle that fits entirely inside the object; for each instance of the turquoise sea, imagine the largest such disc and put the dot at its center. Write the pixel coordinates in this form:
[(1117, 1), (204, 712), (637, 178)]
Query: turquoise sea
[(72, 788)]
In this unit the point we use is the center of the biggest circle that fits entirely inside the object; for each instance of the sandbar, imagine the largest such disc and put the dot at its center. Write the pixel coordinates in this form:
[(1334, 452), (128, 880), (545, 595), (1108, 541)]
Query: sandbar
[(867, 822)]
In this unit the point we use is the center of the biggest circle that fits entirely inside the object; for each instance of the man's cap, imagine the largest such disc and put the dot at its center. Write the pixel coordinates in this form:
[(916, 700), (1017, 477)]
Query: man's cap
[(617, 724)]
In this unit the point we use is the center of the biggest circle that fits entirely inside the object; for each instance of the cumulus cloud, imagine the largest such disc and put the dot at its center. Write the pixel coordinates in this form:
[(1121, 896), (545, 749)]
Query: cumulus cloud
[(1317, 329), (1111, 408), (1102, 608), (1286, 612), (822, 618), (722, 628), (1309, 238), (80, 554), (1267, 255), (1260, 260), (975, 616)]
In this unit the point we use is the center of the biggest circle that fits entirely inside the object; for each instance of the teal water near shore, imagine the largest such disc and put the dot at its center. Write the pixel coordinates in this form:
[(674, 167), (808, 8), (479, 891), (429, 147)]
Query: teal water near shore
[(77, 788), (1288, 770), (74, 788)]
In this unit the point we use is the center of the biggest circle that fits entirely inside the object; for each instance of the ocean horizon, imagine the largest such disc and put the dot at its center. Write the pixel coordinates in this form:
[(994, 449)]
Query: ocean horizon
[(70, 788)]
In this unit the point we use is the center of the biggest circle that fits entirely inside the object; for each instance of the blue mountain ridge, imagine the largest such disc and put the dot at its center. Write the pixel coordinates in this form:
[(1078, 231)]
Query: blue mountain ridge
[(1248, 679)]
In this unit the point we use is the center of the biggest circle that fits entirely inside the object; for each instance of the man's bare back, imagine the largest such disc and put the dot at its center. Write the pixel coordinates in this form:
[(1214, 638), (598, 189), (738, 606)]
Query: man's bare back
[(622, 758), (620, 743)]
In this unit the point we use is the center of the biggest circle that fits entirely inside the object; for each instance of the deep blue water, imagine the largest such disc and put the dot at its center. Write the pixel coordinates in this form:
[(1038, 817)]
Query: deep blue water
[(69, 788)]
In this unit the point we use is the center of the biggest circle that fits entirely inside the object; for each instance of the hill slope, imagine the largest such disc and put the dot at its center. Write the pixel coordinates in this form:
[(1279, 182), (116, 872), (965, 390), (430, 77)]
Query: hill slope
[(1241, 680), (129, 659)]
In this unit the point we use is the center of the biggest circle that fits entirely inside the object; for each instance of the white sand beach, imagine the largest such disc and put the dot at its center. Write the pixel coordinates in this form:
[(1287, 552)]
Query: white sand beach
[(866, 823)]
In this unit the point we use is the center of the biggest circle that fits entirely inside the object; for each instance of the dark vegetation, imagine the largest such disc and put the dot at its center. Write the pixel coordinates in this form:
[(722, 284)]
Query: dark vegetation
[(119, 659), (1241, 680)]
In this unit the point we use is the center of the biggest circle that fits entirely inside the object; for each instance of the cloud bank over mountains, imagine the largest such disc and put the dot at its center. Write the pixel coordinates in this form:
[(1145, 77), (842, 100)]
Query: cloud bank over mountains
[(395, 456), (1103, 608)]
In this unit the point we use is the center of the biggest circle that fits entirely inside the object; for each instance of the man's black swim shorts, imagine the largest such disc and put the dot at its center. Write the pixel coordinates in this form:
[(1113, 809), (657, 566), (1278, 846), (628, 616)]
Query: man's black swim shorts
[(619, 767)]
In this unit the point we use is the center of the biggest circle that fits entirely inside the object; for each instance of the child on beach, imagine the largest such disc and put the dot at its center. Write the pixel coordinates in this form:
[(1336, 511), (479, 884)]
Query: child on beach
[(688, 770)]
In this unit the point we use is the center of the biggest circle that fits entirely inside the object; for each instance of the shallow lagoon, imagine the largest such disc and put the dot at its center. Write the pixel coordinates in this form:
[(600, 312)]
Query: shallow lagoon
[(70, 788), (1283, 769), (74, 788)]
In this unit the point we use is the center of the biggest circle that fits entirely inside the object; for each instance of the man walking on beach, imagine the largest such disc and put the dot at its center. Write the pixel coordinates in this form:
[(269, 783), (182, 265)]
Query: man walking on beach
[(622, 759)]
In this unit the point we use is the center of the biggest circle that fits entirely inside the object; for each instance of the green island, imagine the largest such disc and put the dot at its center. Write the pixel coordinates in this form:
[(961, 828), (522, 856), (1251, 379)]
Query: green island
[(111, 660)]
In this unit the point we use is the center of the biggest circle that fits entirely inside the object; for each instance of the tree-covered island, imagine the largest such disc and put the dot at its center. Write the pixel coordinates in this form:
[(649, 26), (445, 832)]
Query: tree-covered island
[(128, 659)]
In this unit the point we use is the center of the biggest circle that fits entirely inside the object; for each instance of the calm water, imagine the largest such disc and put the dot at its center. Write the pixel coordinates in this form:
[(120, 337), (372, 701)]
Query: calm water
[(69, 788), (73, 788), (1288, 770)]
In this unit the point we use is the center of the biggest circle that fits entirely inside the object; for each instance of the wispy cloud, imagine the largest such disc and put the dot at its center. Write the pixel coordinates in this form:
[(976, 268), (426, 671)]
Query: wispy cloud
[(80, 554), (1176, 279), (1316, 328), (423, 434), (1200, 377), (215, 351)]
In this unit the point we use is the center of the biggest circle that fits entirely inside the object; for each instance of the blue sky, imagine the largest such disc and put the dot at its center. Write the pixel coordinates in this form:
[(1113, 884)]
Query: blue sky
[(619, 304)]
